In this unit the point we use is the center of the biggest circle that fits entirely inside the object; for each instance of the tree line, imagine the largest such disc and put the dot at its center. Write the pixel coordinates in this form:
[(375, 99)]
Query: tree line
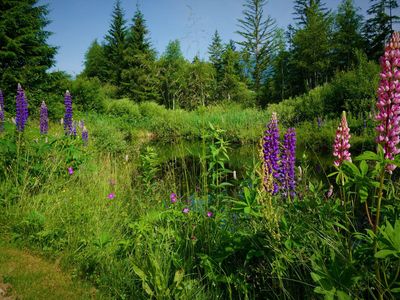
[(265, 64)]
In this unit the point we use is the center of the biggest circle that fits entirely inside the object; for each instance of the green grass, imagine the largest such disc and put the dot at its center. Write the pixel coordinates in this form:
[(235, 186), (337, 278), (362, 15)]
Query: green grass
[(32, 277)]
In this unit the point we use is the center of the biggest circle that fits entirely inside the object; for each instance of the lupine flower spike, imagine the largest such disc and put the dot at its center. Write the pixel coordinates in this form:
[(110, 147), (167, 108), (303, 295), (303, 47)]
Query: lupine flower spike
[(389, 100), (44, 120), (1, 100), (288, 160), (85, 136), (21, 109), (68, 113), (341, 145), (271, 152)]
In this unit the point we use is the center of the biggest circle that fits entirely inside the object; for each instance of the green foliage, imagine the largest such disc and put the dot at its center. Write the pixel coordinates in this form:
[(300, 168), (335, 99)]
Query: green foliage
[(311, 46), (25, 55), (347, 37), (96, 63), (379, 26), (257, 31), (115, 45), (87, 94)]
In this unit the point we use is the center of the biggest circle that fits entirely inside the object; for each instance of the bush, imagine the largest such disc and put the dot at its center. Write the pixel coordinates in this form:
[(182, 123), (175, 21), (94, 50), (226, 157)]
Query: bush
[(123, 108), (87, 93), (355, 90)]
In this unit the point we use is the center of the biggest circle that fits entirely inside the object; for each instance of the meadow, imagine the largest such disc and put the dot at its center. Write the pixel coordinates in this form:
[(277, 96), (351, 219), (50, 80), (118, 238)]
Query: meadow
[(268, 171), (118, 215)]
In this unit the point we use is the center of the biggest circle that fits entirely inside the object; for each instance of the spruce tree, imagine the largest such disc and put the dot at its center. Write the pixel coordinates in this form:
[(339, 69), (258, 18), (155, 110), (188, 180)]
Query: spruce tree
[(96, 62), (379, 26), (257, 31), (215, 50), (172, 75), (116, 44), (312, 46), (347, 38), (139, 80), (25, 55)]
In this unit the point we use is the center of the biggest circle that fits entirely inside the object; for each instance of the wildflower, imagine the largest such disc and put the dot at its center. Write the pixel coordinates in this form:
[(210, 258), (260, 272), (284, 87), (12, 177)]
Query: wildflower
[(68, 113), (341, 145), (44, 120), (210, 214), (73, 129), (271, 152), (70, 170), (288, 161), (85, 136), (21, 109), (81, 124), (186, 210), (173, 197), (111, 196), (1, 100), (389, 100)]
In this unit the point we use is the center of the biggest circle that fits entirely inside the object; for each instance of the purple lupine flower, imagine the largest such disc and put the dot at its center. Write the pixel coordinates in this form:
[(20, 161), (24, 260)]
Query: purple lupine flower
[(271, 152), (44, 119), (1, 100), (73, 129), (186, 210), (341, 145), (389, 100), (85, 136), (288, 160), (173, 198), (21, 109), (68, 113)]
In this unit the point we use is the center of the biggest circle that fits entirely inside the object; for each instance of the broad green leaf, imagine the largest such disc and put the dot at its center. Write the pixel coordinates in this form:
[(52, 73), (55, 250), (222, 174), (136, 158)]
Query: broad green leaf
[(363, 168), (368, 155), (384, 253), (342, 295)]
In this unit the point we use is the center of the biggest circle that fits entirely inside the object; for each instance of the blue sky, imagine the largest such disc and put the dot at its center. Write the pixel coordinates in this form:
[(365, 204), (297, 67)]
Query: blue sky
[(76, 23)]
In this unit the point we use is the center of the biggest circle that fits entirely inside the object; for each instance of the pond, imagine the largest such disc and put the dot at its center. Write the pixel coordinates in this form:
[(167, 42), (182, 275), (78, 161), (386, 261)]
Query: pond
[(182, 161)]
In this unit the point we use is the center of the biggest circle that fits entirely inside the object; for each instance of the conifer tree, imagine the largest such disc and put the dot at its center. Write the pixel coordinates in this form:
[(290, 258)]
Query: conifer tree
[(172, 69), (25, 55), (116, 44), (379, 26), (257, 31), (139, 80), (312, 45), (347, 38), (96, 62), (215, 50)]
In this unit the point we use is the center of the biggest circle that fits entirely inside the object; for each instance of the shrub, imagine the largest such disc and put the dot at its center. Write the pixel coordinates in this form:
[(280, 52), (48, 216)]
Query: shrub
[(87, 94), (124, 108)]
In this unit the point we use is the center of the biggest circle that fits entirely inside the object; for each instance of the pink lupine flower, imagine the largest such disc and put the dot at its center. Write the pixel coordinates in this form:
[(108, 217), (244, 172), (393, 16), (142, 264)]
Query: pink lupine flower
[(341, 145), (389, 100), (70, 170), (173, 198), (186, 210), (209, 214)]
